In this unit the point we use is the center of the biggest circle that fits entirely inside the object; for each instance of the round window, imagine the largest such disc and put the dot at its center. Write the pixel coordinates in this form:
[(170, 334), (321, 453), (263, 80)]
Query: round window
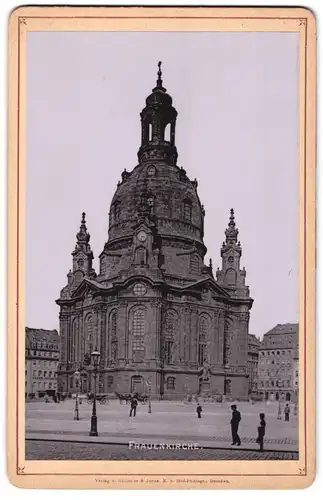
[(139, 289)]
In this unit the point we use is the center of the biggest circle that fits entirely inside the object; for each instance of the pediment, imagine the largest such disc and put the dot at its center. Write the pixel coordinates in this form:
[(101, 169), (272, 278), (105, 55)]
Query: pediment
[(209, 284), (87, 287)]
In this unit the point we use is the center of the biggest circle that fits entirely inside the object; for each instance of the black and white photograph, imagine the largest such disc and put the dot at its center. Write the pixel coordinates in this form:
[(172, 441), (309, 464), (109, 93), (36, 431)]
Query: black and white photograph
[(162, 246)]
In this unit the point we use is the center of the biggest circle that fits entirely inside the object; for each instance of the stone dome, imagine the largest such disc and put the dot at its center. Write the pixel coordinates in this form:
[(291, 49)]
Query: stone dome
[(172, 197)]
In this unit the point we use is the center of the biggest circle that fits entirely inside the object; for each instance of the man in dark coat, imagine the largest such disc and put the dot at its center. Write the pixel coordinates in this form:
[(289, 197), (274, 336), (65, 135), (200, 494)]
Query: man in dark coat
[(133, 406), (261, 431), (236, 417), (287, 411)]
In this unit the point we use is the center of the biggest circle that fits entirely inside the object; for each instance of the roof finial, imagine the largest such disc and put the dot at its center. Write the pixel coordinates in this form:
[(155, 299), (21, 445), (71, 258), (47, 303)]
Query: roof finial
[(231, 232), (83, 235), (232, 222), (159, 74)]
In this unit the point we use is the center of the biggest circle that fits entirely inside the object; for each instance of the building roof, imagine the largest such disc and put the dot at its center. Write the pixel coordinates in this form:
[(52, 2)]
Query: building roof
[(41, 335), (286, 328), (253, 340), (281, 336)]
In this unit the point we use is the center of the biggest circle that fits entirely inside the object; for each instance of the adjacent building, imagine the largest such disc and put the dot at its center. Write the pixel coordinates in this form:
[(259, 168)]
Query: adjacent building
[(253, 357), (296, 373), (156, 312), (42, 358), (278, 363)]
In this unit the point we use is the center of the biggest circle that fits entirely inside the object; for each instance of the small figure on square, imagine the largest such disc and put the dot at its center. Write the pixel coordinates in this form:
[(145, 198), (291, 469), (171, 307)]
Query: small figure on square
[(261, 431), (199, 410), (287, 412), (133, 406), (235, 420)]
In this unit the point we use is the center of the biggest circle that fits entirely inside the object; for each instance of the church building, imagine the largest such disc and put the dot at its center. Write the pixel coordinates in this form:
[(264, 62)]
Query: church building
[(158, 315)]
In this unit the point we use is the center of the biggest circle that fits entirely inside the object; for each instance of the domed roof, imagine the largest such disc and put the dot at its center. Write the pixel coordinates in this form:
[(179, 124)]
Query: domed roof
[(171, 199), (175, 206), (159, 97)]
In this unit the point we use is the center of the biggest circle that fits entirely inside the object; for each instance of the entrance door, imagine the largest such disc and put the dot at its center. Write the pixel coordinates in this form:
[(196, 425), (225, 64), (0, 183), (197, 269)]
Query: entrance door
[(137, 384)]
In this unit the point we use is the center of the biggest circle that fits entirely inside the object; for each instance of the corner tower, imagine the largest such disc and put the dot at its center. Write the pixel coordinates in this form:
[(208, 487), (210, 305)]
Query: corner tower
[(231, 276)]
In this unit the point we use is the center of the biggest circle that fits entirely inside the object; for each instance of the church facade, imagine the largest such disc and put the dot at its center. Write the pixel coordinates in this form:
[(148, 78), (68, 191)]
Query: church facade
[(161, 319)]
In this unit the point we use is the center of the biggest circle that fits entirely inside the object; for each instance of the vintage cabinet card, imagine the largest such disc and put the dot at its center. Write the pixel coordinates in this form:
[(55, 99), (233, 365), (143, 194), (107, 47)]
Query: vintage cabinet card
[(161, 247)]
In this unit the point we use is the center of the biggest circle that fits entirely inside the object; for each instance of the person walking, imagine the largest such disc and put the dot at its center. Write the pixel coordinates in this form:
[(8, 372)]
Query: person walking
[(133, 406), (261, 431), (235, 420), (287, 412), (199, 410)]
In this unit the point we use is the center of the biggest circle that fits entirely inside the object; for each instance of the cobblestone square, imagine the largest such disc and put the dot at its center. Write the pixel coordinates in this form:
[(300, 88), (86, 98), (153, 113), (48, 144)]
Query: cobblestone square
[(52, 432)]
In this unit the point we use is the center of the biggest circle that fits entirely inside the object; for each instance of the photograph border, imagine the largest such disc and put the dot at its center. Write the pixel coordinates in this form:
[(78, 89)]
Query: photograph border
[(159, 474)]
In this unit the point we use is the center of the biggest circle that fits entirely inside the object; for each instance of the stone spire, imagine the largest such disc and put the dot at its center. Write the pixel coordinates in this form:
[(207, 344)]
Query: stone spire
[(83, 237), (231, 275), (82, 254), (159, 79), (231, 233)]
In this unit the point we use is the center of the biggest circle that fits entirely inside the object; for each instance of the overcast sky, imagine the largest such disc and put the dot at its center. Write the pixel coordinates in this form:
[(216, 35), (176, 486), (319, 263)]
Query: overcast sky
[(237, 132)]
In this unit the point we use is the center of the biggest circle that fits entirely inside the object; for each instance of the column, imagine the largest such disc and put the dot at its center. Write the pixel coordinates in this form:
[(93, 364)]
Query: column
[(193, 335), (221, 333), (63, 327), (121, 329), (182, 334), (95, 331), (215, 339)]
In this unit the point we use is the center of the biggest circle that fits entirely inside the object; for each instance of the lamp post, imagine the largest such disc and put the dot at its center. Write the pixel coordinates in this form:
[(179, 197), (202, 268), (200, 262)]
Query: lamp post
[(95, 355), (149, 395), (77, 382), (296, 402), (279, 414)]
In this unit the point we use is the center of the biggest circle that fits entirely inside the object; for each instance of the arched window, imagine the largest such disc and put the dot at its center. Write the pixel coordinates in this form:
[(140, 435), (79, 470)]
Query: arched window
[(88, 333), (203, 334), (231, 277), (114, 324), (167, 133), (170, 331), (78, 277), (114, 340), (150, 132), (74, 341), (116, 211), (151, 171), (140, 256), (170, 383), (151, 201), (195, 263), (138, 334), (103, 265), (187, 211)]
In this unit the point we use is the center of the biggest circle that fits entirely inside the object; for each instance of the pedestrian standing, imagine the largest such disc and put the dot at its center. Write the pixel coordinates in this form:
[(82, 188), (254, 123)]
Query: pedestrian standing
[(287, 411), (199, 410), (261, 431), (133, 406), (235, 420)]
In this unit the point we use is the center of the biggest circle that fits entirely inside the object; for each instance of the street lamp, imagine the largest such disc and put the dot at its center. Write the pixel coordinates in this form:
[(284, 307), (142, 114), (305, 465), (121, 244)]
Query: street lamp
[(149, 401), (77, 382), (95, 355), (296, 402), (279, 415)]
